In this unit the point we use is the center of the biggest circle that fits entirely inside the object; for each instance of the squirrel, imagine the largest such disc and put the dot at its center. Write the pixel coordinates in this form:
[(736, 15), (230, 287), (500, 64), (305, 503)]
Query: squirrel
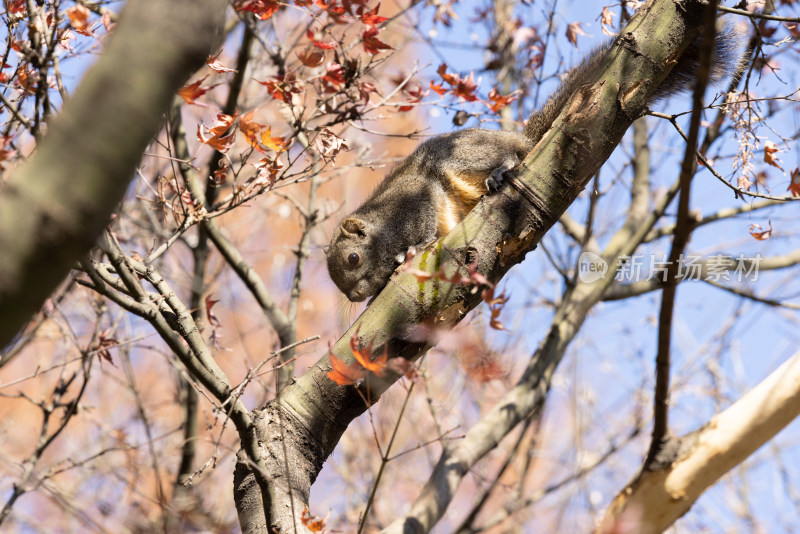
[(427, 194)]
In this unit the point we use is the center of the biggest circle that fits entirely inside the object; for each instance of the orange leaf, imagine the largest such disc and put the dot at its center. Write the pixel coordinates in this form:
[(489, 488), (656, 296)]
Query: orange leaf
[(213, 136), (344, 374), (193, 91), (315, 40), (79, 19), (250, 128), (449, 78), (770, 149), (362, 356), (278, 144), (314, 524), (371, 18), (440, 89), (498, 101)]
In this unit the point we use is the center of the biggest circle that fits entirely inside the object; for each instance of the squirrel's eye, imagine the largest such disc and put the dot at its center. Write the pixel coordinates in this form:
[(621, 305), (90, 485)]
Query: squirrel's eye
[(353, 259)]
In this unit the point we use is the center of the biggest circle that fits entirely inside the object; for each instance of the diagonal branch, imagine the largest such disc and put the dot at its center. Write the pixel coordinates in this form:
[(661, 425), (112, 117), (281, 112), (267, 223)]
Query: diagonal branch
[(494, 237)]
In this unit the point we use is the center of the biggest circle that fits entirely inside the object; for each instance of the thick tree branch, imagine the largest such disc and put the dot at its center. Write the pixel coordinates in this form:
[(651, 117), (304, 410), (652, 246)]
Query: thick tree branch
[(495, 236), (53, 209), (656, 499)]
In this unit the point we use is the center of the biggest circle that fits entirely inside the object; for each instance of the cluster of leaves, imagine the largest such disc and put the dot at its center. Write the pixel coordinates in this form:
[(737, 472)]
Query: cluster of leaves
[(30, 68)]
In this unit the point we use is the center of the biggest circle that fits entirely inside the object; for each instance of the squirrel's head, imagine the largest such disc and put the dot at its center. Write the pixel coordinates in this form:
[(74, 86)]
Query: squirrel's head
[(356, 260)]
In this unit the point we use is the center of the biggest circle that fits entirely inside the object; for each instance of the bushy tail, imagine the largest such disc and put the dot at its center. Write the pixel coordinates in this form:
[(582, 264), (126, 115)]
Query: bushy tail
[(727, 54), (681, 78)]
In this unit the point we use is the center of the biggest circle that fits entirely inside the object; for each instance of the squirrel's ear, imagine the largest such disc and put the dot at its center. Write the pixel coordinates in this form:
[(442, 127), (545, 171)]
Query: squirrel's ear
[(353, 226), (326, 249)]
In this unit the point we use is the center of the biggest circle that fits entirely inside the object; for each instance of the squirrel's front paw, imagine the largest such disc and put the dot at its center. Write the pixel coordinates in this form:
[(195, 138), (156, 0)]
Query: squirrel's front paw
[(410, 253), (496, 179)]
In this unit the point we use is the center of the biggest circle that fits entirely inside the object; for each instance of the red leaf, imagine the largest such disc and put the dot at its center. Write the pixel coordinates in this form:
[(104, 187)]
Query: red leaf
[(498, 101), (364, 90), (212, 319), (263, 9), (416, 94), (315, 40), (465, 88), (794, 185), (14, 7), (282, 87), (440, 89), (371, 18), (371, 43), (334, 77)]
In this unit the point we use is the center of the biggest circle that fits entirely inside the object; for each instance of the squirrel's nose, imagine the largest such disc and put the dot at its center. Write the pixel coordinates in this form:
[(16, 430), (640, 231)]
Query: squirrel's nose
[(355, 296)]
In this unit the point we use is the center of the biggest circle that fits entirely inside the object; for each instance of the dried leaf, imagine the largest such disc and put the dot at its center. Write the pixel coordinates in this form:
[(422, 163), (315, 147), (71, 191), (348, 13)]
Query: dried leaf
[(314, 524), (217, 66), (762, 234), (794, 185), (328, 144), (311, 57), (573, 31), (193, 91), (770, 149), (498, 102), (79, 19)]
